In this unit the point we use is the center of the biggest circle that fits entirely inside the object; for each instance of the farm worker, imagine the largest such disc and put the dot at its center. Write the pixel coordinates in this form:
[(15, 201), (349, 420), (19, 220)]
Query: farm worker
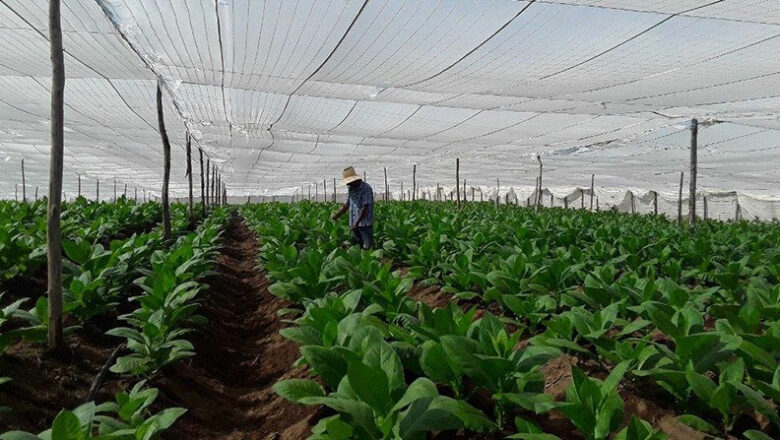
[(360, 203)]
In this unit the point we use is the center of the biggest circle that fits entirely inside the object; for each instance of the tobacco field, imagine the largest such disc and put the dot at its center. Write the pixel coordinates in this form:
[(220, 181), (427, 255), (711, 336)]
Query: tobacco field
[(480, 322)]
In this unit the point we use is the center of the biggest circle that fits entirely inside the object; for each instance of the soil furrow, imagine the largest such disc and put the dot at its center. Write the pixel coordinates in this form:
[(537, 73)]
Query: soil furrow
[(240, 355)]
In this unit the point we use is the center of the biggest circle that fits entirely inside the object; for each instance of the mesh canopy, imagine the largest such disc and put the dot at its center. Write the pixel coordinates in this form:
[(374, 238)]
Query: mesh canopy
[(283, 94)]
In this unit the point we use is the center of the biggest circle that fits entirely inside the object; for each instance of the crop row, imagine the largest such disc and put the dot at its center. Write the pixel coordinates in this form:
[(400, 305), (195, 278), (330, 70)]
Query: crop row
[(691, 314), (168, 276)]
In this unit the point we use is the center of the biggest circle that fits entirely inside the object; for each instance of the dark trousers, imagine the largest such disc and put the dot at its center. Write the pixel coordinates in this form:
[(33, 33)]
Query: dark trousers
[(364, 236)]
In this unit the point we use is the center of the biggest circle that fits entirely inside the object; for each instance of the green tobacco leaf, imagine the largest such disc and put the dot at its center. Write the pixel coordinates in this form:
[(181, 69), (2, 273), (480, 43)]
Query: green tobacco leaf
[(756, 435), (697, 423), (296, 389), (67, 426), (326, 363), (370, 384), (420, 388)]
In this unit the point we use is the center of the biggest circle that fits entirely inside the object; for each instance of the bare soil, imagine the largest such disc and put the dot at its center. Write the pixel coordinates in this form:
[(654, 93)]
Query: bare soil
[(240, 356)]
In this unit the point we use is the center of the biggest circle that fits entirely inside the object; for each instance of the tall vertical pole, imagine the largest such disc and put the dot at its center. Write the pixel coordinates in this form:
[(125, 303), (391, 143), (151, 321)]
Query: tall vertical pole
[(633, 207), (334, 189), (316, 191), (464, 190), (16, 192), (36, 193), (124, 193), (114, 190), (189, 176), (457, 180), (498, 192), (135, 194), (324, 191), (552, 201), (79, 175), (309, 192), (582, 199), (414, 182), (655, 203), (679, 199), (704, 200), (53, 229), (202, 185), (692, 178), (97, 190), (208, 182), (166, 165), (24, 184), (387, 188), (592, 189), (538, 200)]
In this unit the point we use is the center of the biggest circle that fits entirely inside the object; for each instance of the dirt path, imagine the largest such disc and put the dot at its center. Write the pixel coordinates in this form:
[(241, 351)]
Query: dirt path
[(240, 355)]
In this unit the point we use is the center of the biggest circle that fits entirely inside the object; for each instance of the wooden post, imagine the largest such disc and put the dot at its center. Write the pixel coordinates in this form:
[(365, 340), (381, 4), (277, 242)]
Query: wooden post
[(208, 183), (387, 189), (124, 193), (704, 199), (214, 172), (53, 229), (551, 200), (309, 193), (737, 211), (16, 192), (655, 203), (316, 191), (189, 176), (481, 195), (135, 194), (633, 208), (457, 180), (679, 199), (692, 178), (597, 204), (498, 192), (324, 191), (24, 184), (592, 189), (166, 166), (566, 202), (464, 190), (334, 189), (114, 190), (202, 185), (97, 190), (36, 193), (538, 199), (414, 182), (79, 176), (582, 199)]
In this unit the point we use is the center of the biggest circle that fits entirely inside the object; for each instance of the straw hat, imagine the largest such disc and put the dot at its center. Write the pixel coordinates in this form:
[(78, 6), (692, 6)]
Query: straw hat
[(348, 176)]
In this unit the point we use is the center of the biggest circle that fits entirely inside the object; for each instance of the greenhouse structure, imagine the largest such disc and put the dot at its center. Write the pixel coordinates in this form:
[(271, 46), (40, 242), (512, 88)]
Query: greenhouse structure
[(389, 219)]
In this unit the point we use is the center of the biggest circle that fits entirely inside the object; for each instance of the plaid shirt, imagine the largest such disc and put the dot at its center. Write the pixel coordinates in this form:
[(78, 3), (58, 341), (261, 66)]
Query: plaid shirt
[(358, 197)]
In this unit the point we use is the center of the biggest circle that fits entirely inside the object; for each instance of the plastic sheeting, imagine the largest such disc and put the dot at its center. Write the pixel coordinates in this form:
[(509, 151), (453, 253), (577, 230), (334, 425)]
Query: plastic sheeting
[(281, 94)]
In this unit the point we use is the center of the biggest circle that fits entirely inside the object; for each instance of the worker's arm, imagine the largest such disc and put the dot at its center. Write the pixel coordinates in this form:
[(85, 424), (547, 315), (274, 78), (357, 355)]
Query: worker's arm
[(341, 211), (361, 214)]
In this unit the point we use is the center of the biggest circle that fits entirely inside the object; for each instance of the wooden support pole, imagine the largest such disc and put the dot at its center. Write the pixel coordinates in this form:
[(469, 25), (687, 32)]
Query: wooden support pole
[(414, 182), (566, 202), (24, 184), (692, 177), (53, 228), (36, 193), (202, 185), (16, 192), (334, 189), (135, 194), (79, 176), (464, 190), (597, 204), (166, 209), (472, 193), (481, 195), (679, 199), (582, 199), (189, 176), (551, 200), (592, 190), (498, 192), (387, 188), (124, 193), (324, 191), (704, 200), (538, 199), (114, 190), (97, 190), (457, 180), (655, 203), (208, 183), (737, 211), (633, 206)]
